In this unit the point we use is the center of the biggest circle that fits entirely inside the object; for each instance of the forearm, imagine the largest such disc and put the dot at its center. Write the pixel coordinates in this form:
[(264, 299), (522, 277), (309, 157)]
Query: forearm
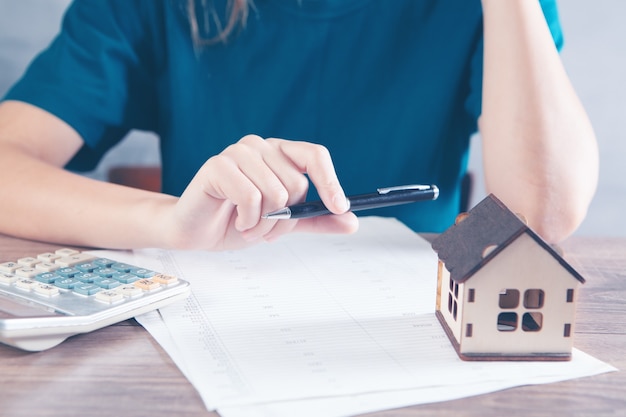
[(539, 149), (43, 202), (220, 209)]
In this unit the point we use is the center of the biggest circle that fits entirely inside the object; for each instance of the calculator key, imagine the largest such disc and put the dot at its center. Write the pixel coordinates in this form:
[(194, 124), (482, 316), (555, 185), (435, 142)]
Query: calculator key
[(127, 278), (26, 284), (6, 278), (165, 279), (121, 267), (87, 277), (129, 290), (9, 267), (48, 277), (75, 259), (27, 272), (68, 272), (86, 289), (29, 261), (147, 284), (109, 296), (46, 289), (105, 272), (107, 283), (103, 262), (87, 267), (48, 257), (65, 252), (67, 283), (142, 273), (47, 266)]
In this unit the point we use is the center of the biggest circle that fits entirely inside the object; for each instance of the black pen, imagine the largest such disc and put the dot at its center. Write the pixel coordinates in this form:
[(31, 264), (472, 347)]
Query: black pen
[(383, 197)]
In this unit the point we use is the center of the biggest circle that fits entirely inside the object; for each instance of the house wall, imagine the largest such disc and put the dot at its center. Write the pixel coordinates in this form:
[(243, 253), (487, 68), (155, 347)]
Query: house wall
[(444, 306), (521, 266)]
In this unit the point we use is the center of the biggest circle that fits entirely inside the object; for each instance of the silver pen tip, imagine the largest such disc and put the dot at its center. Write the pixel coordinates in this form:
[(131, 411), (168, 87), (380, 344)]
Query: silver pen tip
[(282, 214)]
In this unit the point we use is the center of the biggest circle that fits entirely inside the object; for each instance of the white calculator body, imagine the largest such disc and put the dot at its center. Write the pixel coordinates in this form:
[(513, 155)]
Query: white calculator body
[(46, 298)]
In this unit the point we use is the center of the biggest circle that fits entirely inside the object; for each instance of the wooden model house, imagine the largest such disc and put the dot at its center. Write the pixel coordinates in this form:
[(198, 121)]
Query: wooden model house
[(502, 292)]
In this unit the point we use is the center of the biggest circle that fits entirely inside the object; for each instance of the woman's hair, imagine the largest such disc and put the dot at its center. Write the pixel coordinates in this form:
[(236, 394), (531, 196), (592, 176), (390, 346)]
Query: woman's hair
[(236, 14)]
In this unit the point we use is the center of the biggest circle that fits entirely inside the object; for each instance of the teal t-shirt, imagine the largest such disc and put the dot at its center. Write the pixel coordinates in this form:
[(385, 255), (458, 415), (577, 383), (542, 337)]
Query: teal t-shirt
[(391, 88)]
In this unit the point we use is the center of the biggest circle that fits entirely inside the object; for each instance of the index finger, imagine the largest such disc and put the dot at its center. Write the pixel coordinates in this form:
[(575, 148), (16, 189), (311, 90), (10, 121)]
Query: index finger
[(315, 161)]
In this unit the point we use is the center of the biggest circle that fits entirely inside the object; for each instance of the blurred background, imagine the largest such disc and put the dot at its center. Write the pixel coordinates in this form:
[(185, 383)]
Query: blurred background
[(594, 56)]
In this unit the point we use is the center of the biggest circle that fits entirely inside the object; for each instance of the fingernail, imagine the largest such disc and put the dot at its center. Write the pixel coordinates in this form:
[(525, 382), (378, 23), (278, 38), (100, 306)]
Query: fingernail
[(341, 202)]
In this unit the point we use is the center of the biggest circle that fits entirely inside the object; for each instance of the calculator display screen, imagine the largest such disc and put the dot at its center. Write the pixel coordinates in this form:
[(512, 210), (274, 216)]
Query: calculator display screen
[(11, 309)]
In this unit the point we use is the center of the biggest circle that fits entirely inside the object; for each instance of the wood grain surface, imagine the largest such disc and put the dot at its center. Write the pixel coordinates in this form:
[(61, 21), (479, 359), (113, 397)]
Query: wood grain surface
[(121, 371)]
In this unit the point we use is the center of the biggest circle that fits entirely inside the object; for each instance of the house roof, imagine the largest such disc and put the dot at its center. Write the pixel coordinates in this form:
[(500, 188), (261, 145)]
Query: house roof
[(489, 225)]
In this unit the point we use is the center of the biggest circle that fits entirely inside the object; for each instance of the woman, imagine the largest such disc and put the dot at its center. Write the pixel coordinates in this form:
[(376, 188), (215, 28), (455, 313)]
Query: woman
[(392, 91)]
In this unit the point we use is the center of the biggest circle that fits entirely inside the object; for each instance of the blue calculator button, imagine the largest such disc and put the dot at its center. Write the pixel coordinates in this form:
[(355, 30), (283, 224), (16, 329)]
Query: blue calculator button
[(87, 277), (86, 289), (127, 278), (68, 272), (87, 267), (67, 283), (142, 273), (107, 283), (120, 267), (103, 262), (105, 272), (48, 277)]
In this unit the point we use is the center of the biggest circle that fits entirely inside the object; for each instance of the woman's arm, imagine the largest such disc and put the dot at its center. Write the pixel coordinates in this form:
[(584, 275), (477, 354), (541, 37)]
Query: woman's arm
[(220, 209), (539, 149)]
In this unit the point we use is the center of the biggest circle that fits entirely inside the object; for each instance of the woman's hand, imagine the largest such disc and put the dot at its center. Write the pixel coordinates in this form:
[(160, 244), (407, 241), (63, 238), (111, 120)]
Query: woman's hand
[(223, 204), (220, 209)]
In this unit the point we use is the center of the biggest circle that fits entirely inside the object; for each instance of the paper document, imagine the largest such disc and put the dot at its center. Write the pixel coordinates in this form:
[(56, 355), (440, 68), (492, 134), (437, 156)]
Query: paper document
[(323, 325)]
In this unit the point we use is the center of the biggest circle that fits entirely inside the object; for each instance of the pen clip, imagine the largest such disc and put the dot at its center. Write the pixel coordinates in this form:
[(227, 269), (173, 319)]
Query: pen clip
[(388, 190)]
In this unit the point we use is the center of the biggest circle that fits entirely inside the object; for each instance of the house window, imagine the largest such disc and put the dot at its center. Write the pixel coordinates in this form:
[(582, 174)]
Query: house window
[(570, 296), (507, 322), (453, 295), (567, 330), (532, 322), (533, 298), (471, 294), (468, 330), (509, 298)]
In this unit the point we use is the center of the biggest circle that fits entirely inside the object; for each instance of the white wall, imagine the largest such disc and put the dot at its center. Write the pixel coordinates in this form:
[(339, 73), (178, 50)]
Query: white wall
[(594, 55), (28, 26)]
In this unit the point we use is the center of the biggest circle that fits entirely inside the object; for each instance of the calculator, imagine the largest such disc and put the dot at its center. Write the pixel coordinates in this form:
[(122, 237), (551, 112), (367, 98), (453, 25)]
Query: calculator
[(46, 298)]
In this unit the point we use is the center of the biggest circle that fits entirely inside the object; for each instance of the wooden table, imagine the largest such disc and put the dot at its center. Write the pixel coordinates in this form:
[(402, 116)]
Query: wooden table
[(121, 371)]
